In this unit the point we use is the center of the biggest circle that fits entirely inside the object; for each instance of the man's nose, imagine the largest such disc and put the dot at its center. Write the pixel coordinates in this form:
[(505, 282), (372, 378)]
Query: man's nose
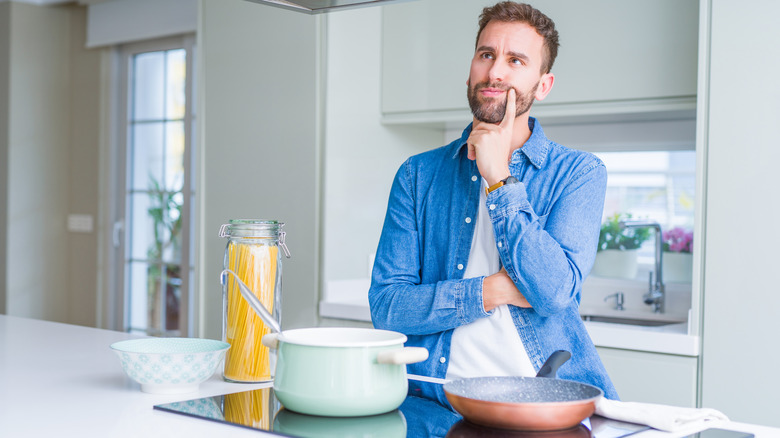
[(497, 72)]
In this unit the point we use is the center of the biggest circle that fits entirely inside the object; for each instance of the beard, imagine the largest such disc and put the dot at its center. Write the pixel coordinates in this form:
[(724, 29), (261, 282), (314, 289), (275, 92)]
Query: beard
[(492, 110)]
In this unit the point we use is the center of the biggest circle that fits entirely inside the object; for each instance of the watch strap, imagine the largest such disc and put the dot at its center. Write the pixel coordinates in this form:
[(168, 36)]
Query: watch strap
[(508, 180), (494, 187)]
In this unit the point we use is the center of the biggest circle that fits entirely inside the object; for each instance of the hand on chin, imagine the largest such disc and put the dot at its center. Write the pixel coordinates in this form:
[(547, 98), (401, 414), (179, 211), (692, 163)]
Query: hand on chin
[(490, 143)]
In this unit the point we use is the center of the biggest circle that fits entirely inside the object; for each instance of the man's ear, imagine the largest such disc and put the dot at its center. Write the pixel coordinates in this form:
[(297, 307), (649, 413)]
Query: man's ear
[(545, 85)]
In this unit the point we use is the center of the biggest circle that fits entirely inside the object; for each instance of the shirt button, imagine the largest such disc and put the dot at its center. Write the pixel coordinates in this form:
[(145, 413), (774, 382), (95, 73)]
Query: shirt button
[(492, 206), (500, 244), (460, 266), (468, 220), (442, 359), (474, 178)]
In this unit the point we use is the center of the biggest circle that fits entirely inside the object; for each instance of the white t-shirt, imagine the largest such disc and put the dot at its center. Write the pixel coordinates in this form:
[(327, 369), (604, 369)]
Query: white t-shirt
[(488, 346)]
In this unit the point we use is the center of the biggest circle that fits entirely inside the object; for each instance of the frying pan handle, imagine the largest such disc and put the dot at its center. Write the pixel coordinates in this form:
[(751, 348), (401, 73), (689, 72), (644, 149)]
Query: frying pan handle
[(551, 365)]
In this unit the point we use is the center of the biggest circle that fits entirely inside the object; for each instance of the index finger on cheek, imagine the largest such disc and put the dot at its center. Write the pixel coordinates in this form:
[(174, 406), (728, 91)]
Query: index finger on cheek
[(511, 107)]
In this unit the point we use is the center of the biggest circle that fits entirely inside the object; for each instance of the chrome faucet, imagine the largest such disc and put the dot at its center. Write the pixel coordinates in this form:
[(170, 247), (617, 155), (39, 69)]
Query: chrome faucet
[(619, 300), (655, 295)]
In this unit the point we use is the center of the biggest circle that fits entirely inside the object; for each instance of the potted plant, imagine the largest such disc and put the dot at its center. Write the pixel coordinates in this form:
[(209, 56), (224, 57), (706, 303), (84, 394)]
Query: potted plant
[(165, 212), (618, 248), (678, 257)]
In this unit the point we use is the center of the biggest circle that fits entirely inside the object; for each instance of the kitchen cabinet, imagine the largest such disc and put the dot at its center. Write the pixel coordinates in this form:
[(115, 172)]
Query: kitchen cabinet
[(652, 377), (614, 57)]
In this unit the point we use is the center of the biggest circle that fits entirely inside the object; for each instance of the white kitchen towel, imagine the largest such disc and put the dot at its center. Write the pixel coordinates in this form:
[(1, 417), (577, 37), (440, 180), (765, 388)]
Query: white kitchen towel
[(662, 417)]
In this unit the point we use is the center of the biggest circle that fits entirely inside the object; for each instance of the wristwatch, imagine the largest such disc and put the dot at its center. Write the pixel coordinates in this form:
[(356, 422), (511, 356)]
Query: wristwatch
[(506, 181)]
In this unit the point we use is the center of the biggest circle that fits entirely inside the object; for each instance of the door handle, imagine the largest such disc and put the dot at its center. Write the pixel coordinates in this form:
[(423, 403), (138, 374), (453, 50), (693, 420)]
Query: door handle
[(116, 233)]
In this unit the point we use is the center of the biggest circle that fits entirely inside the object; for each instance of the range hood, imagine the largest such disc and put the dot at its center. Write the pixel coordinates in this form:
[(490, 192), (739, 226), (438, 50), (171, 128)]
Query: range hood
[(320, 6)]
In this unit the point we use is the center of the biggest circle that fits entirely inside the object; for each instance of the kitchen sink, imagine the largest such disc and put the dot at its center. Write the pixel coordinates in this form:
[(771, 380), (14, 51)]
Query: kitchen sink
[(628, 321)]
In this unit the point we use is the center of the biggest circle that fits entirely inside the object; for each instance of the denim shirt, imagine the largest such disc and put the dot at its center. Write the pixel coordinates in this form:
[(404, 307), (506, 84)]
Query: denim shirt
[(546, 230)]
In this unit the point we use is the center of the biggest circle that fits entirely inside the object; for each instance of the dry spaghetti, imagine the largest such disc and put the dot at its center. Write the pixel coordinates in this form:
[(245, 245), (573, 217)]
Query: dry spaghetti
[(249, 408), (248, 360)]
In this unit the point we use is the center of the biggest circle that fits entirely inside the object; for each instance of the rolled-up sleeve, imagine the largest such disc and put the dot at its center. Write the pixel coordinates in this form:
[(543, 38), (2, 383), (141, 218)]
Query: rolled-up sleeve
[(548, 257), (397, 298)]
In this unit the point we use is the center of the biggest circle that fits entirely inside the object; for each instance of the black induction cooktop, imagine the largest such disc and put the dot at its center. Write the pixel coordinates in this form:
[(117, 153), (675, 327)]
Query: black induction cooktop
[(416, 417)]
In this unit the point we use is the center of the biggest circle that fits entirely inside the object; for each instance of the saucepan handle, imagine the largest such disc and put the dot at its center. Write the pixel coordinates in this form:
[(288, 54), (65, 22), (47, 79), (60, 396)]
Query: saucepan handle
[(399, 356), (551, 365), (271, 340)]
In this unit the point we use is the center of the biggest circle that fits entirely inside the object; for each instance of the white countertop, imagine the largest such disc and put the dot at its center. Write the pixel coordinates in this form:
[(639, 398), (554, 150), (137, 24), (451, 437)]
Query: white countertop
[(64, 380)]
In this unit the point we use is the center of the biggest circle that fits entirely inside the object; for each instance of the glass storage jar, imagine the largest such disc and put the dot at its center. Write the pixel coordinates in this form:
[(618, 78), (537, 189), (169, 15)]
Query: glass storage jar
[(253, 256)]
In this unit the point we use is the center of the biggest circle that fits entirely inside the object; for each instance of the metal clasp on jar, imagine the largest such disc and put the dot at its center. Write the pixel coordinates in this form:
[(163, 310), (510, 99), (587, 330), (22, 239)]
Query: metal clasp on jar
[(282, 235)]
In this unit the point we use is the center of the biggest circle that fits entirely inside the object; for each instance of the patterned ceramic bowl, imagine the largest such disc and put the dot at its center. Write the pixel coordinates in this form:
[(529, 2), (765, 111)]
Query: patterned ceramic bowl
[(170, 365)]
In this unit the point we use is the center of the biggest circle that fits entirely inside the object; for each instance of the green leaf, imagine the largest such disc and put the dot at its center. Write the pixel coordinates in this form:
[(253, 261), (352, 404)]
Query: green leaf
[(612, 236)]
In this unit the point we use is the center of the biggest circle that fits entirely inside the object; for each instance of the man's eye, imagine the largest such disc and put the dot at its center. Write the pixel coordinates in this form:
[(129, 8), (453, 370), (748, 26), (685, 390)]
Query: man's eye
[(486, 56), (516, 61)]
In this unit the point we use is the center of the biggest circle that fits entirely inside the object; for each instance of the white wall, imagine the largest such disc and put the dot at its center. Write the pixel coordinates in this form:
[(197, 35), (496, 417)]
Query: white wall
[(119, 22), (259, 139), (38, 140), (741, 293), (5, 49), (48, 146), (83, 170), (361, 155)]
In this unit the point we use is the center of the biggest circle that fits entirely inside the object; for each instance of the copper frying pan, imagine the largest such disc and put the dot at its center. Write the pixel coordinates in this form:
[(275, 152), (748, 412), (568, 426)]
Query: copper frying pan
[(464, 429), (541, 403)]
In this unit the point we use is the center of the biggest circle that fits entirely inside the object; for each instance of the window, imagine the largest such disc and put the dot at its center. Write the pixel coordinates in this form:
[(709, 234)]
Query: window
[(656, 185), (651, 167), (157, 187)]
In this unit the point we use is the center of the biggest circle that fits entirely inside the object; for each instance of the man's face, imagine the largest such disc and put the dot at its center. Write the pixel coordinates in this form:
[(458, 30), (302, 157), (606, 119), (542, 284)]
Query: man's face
[(508, 55)]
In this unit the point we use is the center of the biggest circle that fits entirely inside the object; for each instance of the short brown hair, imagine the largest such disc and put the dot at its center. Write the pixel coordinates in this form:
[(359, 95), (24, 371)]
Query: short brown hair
[(525, 13)]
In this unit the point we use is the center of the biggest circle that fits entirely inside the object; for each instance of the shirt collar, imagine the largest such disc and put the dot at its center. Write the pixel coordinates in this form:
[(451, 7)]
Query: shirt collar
[(535, 148)]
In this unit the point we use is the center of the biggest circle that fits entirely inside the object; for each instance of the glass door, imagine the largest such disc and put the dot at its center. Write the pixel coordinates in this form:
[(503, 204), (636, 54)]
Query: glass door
[(157, 270)]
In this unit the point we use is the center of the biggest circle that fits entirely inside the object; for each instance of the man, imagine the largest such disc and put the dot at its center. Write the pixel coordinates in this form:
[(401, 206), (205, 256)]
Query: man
[(487, 240)]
